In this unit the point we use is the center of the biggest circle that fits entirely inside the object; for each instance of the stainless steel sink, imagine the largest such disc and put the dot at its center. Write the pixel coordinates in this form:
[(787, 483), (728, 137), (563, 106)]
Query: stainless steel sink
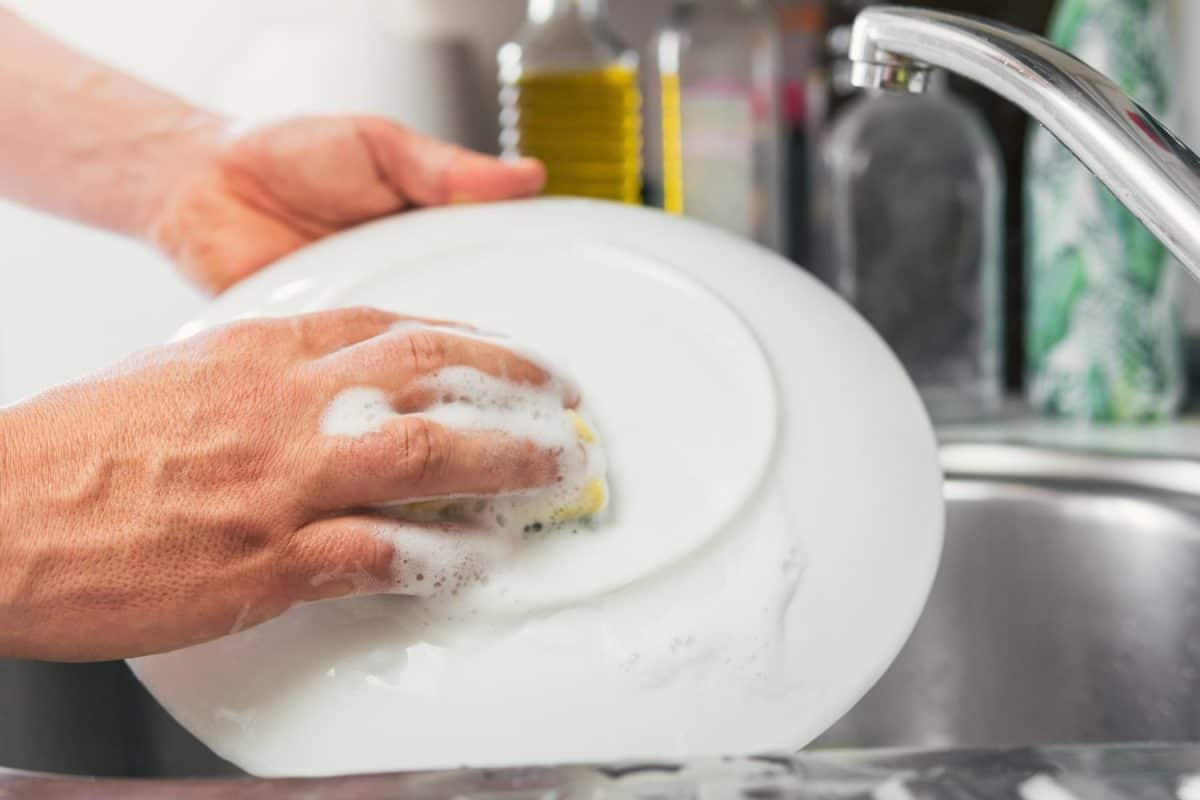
[(93, 719), (1067, 610)]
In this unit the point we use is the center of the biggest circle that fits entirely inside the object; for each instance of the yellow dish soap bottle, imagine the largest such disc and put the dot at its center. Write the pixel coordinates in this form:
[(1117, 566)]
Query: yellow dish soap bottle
[(569, 96)]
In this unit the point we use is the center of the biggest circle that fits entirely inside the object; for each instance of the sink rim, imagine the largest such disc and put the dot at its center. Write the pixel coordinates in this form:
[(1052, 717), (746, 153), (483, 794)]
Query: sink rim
[(1075, 468), (856, 769)]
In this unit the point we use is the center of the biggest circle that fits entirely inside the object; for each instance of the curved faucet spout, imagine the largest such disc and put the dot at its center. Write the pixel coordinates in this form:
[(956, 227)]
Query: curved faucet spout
[(1148, 169)]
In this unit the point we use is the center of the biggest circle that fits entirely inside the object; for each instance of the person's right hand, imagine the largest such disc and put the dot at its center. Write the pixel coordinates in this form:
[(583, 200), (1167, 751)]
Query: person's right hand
[(190, 492)]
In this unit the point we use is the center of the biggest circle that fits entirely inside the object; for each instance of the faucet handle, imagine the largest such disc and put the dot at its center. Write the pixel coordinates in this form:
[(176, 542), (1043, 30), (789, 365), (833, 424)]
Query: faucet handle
[(901, 75)]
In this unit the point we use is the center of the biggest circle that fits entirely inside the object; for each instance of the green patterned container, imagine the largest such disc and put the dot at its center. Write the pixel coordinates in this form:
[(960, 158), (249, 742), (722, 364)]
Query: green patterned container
[(1104, 335)]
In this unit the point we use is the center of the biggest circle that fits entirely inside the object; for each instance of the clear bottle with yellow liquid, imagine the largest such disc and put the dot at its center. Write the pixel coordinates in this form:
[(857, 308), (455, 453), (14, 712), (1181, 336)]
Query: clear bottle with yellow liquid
[(570, 97)]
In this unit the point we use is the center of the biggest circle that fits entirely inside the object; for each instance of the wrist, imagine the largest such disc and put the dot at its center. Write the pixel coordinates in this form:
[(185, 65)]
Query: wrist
[(190, 144)]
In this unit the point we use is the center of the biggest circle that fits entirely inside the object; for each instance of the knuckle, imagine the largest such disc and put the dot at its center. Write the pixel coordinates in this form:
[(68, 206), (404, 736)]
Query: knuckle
[(244, 543), (379, 558), (245, 335), (425, 351), (303, 332), (368, 314), (423, 450), (353, 318)]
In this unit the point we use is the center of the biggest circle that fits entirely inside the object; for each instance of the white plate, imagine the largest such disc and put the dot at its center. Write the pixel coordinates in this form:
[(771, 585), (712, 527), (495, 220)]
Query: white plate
[(817, 441)]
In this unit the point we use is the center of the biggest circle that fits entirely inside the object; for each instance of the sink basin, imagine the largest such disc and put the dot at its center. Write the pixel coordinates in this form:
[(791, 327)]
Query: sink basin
[(93, 719), (1067, 610)]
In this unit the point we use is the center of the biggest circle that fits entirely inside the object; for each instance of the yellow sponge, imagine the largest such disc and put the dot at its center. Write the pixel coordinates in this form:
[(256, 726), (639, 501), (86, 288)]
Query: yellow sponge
[(590, 500), (592, 497), (581, 429)]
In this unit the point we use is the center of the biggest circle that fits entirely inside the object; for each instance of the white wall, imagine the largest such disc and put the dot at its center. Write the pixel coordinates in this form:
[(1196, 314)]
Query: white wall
[(73, 300)]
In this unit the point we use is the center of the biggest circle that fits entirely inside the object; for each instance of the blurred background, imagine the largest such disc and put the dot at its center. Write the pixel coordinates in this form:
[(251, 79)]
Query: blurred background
[(433, 64)]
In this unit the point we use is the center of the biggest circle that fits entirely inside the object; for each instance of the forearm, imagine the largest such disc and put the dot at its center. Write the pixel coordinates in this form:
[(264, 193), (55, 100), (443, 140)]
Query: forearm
[(15, 571), (65, 510), (86, 141)]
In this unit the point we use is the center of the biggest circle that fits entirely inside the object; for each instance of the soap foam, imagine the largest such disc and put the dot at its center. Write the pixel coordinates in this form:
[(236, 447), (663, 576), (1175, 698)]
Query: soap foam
[(439, 561), (443, 546), (357, 412), (471, 400)]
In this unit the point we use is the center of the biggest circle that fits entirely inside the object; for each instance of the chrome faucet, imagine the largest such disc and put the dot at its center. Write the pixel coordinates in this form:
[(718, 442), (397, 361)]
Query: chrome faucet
[(1147, 168)]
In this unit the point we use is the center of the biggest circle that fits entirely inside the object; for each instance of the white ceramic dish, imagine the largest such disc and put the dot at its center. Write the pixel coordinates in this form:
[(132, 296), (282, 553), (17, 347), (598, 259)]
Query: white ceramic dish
[(817, 440)]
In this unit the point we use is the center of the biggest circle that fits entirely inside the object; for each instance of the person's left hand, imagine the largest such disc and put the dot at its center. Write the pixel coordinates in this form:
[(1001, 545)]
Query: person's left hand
[(253, 199)]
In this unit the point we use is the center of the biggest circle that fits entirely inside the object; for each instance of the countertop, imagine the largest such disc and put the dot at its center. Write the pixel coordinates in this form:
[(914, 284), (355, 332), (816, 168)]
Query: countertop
[(1135, 771)]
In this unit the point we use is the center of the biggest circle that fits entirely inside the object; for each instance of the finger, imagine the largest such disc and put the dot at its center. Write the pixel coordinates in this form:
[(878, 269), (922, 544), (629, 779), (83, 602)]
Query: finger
[(336, 558), (323, 332), (412, 458), (394, 360), (318, 174), (359, 555), (431, 172), (421, 396)]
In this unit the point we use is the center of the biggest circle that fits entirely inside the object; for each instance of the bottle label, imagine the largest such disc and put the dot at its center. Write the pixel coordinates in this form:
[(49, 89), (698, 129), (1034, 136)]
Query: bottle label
[(717, 142), (1103, 334)]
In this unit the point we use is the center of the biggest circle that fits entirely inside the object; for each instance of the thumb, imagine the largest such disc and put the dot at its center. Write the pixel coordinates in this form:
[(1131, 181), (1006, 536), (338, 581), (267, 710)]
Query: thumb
[(431, 172)]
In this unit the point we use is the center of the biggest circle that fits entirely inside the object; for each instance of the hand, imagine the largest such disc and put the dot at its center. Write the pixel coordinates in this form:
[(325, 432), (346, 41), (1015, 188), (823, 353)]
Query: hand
[(84, 140), (190, 492), (257, 198)]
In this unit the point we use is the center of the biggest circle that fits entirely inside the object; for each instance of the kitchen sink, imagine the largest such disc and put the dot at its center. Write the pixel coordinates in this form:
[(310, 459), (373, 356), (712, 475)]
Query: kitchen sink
[(1066, 610)]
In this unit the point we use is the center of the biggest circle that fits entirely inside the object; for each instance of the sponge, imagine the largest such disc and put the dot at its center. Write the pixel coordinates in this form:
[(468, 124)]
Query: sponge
[(594, 495), (588, 501)]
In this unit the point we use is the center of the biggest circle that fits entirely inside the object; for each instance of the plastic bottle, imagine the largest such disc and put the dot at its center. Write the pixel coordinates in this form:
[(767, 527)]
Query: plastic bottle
[(569, 96), (912, 234), (1103, 329), (718, 63)]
